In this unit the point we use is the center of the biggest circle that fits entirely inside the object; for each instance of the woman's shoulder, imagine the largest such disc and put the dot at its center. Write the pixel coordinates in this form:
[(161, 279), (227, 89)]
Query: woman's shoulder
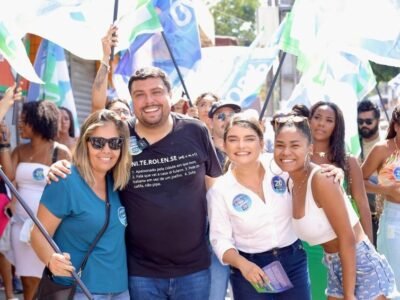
[(63, 152)]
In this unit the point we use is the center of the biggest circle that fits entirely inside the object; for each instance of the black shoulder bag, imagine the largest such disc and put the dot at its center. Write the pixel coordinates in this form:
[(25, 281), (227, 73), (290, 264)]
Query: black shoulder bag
[(50, 290)]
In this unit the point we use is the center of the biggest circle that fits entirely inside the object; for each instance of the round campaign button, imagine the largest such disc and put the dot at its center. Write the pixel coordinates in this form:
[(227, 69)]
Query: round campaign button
[(38, 174), (241, 202), (396, 173), (278, 184)]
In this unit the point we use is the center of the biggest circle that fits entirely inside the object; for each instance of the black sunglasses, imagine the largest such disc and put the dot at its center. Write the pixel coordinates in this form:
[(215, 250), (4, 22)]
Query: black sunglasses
[(98, 143), (222, 116), (368, 121)]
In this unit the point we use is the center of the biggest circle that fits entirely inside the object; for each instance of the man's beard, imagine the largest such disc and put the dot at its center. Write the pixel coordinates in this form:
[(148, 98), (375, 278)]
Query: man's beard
[(367, 133)]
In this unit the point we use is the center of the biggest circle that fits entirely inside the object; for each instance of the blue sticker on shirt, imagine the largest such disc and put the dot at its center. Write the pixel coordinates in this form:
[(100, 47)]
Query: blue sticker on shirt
[(122, 216), (278, 184), (396, 173), (241, 202), (38, 174)]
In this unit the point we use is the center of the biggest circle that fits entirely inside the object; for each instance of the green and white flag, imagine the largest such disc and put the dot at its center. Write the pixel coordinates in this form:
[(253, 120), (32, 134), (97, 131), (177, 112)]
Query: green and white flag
[(13, 50), (78, 26)]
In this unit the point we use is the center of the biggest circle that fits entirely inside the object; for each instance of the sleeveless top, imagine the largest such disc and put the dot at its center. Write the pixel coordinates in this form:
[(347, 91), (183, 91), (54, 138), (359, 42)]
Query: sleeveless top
[(390, 171), (315, 217), (31, 180)]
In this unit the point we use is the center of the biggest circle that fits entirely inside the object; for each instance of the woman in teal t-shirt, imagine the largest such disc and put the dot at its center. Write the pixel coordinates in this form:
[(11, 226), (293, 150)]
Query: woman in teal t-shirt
[(73, 210)]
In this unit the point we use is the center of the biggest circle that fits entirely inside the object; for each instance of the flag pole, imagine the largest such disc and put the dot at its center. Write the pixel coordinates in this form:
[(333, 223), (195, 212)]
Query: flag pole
[(381, 100), (115, 16), (271, 89), (177, 68)]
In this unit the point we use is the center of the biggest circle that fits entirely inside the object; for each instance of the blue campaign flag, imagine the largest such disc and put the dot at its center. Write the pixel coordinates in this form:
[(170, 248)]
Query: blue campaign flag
[(180, 28), (52, 67)]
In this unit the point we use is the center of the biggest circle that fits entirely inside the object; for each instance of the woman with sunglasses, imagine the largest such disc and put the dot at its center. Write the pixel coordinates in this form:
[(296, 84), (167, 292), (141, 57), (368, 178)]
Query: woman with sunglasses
[(77, 202), (327, 129), (384, 158), (322, 215)]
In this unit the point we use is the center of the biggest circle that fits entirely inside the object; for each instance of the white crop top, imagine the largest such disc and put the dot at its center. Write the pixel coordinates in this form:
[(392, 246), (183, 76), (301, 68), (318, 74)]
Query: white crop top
[(314, 227)]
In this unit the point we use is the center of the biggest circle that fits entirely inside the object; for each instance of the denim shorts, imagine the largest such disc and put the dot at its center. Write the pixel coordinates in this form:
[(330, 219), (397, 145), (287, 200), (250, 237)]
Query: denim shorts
[(374, 276)]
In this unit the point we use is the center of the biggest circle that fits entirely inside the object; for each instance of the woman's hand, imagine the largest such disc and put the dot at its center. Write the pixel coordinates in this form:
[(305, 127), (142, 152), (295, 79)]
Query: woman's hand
[(108, 41), (331, 170), (60, 264), (253, 273)]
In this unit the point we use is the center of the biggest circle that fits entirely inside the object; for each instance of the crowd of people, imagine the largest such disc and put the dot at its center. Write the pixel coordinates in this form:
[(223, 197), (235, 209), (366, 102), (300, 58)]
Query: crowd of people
[(162, 201)]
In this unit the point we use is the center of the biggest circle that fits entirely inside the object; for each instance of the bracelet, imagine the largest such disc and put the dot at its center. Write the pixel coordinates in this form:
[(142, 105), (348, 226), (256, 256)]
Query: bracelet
[(106, 65), (2, 146), (3, 150)]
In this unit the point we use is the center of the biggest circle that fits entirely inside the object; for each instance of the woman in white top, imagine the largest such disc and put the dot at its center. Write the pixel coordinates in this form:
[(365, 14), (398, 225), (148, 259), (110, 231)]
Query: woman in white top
[(250, 217), (323, 215)]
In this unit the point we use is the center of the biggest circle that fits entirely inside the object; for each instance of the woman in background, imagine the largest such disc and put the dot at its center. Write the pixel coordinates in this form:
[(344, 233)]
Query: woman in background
[(327, 130), (30, 162), (384, 158), (66, 129)]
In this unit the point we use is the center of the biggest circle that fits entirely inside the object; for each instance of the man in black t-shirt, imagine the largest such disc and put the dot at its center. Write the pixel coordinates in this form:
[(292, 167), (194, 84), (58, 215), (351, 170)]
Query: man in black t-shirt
[(165, 199)]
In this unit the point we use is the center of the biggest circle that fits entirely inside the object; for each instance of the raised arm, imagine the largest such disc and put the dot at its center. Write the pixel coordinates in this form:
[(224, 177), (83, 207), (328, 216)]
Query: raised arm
[(99, 88), (334, 208), (359, 194), (10, 96)]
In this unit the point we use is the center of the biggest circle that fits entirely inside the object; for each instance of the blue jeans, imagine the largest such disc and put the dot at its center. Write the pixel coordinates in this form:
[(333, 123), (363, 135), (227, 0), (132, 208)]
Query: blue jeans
[(195, 286), (110, 296), (219, 279), (293, 259)]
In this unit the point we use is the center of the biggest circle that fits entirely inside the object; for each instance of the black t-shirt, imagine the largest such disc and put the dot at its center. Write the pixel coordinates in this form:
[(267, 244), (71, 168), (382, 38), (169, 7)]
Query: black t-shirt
[(166, 204)]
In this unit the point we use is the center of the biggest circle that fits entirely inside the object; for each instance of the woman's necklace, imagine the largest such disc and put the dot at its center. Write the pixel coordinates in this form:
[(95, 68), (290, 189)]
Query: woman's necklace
[(321, 154), (300, 187), (41, 149)]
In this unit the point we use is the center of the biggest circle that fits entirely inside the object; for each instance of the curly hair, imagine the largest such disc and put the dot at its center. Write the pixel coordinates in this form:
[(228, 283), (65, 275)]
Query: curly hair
[(337, 147), (42, 116)]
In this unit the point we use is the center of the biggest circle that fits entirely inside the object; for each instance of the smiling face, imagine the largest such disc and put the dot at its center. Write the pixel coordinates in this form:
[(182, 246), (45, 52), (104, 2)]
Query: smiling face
[(291, 149), (322, 123), (242, 145), (152, 102), (103, 160)]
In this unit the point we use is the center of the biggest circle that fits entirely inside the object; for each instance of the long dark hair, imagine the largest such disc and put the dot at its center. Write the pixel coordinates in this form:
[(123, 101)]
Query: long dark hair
[(337, 147), (394, 120), (71, 130)]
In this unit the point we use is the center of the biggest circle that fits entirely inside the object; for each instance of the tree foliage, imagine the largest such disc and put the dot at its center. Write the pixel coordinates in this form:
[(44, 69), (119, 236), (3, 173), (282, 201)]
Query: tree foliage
[(384, 73), (236, 18)]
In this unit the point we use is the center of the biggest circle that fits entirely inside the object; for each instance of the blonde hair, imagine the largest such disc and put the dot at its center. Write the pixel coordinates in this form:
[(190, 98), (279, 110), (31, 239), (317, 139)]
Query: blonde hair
[(80, 157)]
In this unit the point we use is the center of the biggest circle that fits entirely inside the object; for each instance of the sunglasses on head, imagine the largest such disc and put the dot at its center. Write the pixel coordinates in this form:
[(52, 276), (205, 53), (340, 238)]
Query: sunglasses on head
[(368, 121), (114, 143), (222, 116), (289, 119)]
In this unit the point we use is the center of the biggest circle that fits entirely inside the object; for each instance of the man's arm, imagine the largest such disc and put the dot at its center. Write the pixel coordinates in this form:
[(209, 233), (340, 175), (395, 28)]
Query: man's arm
[(99, 88)]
